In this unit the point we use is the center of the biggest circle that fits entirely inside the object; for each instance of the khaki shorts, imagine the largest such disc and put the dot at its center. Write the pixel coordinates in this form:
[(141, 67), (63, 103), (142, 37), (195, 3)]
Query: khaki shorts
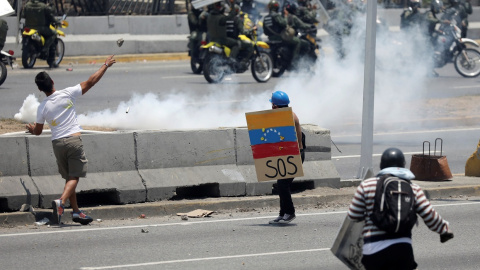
[(71, 159)]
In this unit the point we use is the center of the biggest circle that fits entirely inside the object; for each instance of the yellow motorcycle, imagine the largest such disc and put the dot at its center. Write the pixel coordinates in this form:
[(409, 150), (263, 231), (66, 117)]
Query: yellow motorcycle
[(217, 63), (33, 42)]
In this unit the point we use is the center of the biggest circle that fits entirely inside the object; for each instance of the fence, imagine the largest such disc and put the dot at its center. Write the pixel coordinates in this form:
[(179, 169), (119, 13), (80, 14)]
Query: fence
[(110, 7)]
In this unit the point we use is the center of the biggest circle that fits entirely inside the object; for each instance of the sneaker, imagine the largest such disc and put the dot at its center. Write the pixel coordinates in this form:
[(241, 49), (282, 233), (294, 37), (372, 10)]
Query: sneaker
[(287, 218), (276, 221), (81, 218), (57, 210)]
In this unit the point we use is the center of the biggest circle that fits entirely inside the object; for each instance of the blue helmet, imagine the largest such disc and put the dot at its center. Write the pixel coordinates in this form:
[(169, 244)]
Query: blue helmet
[(280, 98)]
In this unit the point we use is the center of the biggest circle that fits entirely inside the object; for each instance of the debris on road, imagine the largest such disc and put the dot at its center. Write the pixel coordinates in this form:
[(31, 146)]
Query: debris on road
[(42, 222), (197, 213)]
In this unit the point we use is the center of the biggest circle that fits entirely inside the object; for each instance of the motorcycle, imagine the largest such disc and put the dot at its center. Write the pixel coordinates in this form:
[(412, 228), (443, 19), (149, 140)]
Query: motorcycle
[(197, 53), (6, 58), (282, 53), (451, 48), (33, 42), (218, 64)]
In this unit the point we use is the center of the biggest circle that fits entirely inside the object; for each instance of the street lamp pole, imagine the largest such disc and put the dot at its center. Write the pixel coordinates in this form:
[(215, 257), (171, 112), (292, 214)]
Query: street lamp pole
[(366, 169)]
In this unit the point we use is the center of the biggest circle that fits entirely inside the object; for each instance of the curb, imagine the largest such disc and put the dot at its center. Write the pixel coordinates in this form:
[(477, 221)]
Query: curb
[(166, 208), (125, 58)]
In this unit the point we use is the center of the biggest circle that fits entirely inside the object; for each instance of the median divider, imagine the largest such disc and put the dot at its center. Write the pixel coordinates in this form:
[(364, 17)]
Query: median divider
[(145, 166)]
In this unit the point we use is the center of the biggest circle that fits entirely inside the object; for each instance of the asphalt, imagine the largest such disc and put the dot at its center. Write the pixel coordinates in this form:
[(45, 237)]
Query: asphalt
[(458, 186)]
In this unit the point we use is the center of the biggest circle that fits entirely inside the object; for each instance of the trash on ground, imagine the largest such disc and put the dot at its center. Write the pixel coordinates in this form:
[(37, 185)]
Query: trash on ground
[(184, 217), (196, 213), (42, 222), (144, 231), (142, 216), (99, 220)]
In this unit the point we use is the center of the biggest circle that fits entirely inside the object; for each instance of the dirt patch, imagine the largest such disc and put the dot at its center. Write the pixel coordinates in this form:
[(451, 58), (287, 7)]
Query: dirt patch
[(11, 125)]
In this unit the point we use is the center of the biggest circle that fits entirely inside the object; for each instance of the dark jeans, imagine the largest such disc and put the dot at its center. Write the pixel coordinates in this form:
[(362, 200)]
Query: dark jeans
[(284, 192), (395, 257)]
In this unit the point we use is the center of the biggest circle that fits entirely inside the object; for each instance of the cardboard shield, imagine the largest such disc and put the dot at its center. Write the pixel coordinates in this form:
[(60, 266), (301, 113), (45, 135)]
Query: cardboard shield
[(274, 143), (201, 3), (348, 244), (322, 14), (5, 8)]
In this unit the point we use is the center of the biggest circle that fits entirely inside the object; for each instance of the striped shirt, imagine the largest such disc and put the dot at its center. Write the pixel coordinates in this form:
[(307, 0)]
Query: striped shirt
[(362, 207)]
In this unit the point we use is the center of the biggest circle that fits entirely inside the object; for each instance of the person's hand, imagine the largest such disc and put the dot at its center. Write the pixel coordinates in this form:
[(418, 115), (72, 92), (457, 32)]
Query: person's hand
[(444, 237), (30, 127), (110, 61)]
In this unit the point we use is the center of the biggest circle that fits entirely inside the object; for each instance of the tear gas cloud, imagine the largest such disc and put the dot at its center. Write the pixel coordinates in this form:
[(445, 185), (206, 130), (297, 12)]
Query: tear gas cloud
[(333, 95)]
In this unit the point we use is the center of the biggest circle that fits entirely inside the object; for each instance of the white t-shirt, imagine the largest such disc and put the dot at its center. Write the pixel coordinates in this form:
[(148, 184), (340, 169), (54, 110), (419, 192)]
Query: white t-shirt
[(58, 110)]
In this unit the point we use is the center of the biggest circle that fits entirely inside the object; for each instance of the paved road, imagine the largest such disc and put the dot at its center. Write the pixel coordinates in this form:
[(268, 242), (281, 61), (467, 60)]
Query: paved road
[(228, 240)]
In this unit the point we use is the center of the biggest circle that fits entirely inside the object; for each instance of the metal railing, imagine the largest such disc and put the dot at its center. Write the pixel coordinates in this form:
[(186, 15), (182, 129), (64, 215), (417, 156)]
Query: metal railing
[(108, 7)]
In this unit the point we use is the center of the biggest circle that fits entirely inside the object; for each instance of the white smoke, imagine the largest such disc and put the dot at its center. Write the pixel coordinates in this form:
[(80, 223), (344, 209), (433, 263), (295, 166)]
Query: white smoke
[(333, 95), (28, 111)]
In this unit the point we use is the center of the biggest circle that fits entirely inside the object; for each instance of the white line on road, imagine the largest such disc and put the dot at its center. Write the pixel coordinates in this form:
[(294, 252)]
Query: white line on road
[(206, 259), (409, 132), (375, 155), (194, 222), (466, 87)]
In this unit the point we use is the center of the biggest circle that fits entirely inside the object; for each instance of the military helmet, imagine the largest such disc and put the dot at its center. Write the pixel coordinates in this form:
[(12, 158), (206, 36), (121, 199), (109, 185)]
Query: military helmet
[(291, 7), (219, 6), (273, 5), (280, 98), (392, 157), (414, 3), (302, 3), (436, 6), (454, 2)]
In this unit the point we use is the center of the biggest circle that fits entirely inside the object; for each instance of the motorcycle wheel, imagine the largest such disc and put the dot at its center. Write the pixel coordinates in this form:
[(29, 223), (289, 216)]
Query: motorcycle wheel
[(214, 68), (59, 51), (28, 58), (279, 66), (469, 66), (3, 72), (262, 67), (196, 65)]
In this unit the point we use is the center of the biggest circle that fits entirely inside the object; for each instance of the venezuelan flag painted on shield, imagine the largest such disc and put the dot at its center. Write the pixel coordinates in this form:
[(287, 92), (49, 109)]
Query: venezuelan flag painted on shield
[(274, 143)]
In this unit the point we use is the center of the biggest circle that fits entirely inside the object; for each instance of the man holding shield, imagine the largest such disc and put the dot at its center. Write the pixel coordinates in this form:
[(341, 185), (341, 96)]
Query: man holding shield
[(287, 210)]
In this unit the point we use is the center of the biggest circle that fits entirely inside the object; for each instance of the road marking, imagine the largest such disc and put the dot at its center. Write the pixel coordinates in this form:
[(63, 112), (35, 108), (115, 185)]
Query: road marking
[(194, 222), (374, 155), (410, 132), (466, 87), (206, 259)]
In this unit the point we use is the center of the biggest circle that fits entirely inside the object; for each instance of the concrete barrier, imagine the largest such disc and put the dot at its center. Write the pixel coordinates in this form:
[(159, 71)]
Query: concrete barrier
[(16, 186), (134, 167)]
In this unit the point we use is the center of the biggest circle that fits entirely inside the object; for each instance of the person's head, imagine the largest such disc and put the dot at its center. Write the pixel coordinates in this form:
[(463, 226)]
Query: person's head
[(279, 99), (454, 3), (44, 82), (218, 6), (302, 3), (273, 5), (291, 7), (414, 4), (392, 157), (436, 6)]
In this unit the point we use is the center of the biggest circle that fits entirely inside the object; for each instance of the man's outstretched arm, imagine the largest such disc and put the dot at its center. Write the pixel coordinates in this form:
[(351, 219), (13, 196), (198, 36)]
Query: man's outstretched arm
[(95, 77)]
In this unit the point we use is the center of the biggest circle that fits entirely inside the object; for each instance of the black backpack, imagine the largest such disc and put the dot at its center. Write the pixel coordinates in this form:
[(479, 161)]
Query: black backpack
[(394, 206)]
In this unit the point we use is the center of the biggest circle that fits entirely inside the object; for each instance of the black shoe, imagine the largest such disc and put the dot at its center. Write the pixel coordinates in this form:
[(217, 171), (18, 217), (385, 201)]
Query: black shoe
[(53, 65), (276, 221), (81, 218), (287, 218)]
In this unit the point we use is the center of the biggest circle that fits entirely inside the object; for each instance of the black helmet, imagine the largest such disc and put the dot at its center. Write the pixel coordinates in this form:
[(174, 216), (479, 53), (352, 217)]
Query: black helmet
[(414, 3), (454, 2), (392, 157), (291, 7), (273, 5), (436, 6)]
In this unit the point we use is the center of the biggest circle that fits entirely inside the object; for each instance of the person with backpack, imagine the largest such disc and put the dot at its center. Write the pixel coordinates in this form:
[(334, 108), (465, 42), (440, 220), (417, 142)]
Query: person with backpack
[(389, 204)]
